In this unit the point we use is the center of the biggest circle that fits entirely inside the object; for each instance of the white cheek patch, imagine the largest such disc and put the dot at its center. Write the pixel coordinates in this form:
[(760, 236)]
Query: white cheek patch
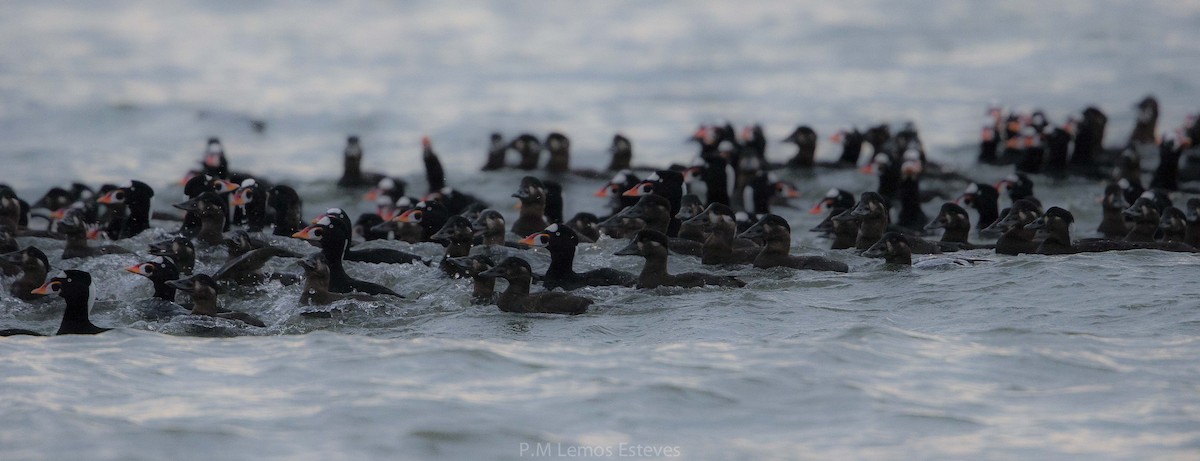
[(91, 299)]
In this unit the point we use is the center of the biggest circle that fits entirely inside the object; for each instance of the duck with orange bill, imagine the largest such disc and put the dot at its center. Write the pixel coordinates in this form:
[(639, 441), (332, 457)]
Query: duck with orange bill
[(837, 201), (78, 233), (75, 288), (332, 233), (136, 197), (667, 184), (249, 204), (615, 189), (561, 241), (369, 255)]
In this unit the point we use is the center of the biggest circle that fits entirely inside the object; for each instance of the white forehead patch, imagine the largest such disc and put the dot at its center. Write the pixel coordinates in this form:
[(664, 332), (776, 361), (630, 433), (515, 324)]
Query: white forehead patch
[(214, 147), (403, 201), (972, 188), (1123, 183), (772, 178), (248, 182), (383, 200), (324, 221), (653, 177), (158, 260), (446, 190), (128, 184), (912, 154), (618, 179), (386, 183), (1012, 177), (742, 216), (1147, 195), (833, 193), (421, 204), (552, 228), (333, 211)]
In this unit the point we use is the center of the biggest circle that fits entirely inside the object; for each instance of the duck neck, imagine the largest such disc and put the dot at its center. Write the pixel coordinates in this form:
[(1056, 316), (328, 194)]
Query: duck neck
[(458, 248), (518, 286), (956, 234), (562, 260), (494, 237), (779, 244), (75, 317), (204, 304), (164, 291), (655, 267), (138, 219), (212, 226)]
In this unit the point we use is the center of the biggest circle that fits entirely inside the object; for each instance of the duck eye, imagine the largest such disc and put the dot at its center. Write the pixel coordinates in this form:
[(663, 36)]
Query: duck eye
[(119, 195), (317, 232), (417, 216), (55, 287), (148, 268)]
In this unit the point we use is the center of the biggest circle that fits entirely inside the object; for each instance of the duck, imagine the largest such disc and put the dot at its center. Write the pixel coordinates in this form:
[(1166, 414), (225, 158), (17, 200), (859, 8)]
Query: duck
[(908, 191), (198, 186), (1166, 175), (517, 298), (373, 255), (316, 283), (895, 249), (249, 204), (333, 236), (34, 268), (428, 216), (561, 241), (719, 221), (180, 250), (776, 233), (554, 202), (456, 235), (689, 208), (497, 148), (352, 173), (1145, 219), (1055, 227), (985, 199), (558, 146), (1018, 186), (136, 197), (532, 195), (529, 148), (956, 226), (1172, 227), (244, 268), (8, 244), (160, 270), (837, 201), (483, 289), (872, 213), (203, 291), (614, 190), (1192, 234), (654, 246), (288, 210), (1015, 238), (76, 231), (667, 184), (240, 242), (209, 208), (392, 188), (805, 139), (586, 226), (621, 150), (75, 288), (489, 228), (1112, 224)]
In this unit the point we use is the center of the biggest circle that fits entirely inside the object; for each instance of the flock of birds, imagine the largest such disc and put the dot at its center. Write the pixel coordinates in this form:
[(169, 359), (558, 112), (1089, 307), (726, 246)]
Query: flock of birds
[(717, 209)]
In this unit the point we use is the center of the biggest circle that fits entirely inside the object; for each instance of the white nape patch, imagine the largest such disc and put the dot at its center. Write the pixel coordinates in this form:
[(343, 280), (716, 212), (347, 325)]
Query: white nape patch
[(972, 188), (91, 299), (403, 201), (324, 221), (1148, 195), (912, 154), (1123, 183), (552, 228), (833, 193), (387, 183), (248, 182), (653, 177)]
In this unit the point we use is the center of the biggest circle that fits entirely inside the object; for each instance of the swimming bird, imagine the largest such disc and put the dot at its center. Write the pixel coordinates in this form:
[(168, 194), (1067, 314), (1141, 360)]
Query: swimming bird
[(561, 241), (532, 195), (75, 288), (352, 172), (316, 283), (1015, 238), (203, 290), (653, 246), (210, 209), (334, 237), (34, 268), (73, 227), (1112, 222), (136, 197), (159, 270), (288, 210), (180, 250), (517, 298), (482, 288), (776, 233)]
